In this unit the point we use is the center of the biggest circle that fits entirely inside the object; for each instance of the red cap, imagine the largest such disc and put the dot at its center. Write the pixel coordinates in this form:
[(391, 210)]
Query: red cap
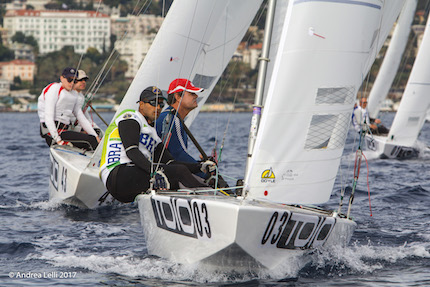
[(180, 85)]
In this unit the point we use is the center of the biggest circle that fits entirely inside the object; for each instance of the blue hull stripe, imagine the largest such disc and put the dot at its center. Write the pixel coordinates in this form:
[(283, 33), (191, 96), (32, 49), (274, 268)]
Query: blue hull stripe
[(351, 2)]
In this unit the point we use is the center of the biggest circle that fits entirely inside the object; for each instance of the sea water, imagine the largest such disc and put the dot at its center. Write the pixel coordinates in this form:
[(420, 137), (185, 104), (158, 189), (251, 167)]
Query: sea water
[(44, 243)]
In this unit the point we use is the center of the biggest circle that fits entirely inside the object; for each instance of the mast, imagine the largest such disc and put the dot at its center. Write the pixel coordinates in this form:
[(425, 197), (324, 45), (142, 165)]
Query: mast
[(262, 69)]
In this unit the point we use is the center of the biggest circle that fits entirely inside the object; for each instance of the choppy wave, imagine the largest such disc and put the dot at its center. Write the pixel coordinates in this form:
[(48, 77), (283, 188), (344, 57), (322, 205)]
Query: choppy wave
[(107, 246)]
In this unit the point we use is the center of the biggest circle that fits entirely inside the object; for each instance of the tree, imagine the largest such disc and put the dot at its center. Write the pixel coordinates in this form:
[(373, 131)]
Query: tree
[(18, 37), (17, 80), (6, 54)]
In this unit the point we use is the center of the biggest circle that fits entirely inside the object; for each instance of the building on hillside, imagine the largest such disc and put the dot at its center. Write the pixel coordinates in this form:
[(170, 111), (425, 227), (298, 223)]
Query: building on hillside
[(22, 51), (248, 54), (55, 29), (3, 34), (419, 34), (38, 4), (133, 50), (15, 5), (4, 88), (135, 25), (17, 68)]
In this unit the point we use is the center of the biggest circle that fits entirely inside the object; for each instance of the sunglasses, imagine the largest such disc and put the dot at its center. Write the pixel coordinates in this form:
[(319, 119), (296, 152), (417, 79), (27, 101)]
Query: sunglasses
[(71, 79), (155, 103)]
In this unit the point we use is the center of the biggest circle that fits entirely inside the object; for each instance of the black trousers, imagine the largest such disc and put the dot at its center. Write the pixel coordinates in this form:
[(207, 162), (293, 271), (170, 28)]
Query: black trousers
[(125, 182), (80, 140)]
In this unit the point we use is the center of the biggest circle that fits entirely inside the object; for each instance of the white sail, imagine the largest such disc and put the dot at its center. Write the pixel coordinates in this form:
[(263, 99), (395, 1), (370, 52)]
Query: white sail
[(392, 59), (326, 49), (415, 103), (196, 41)]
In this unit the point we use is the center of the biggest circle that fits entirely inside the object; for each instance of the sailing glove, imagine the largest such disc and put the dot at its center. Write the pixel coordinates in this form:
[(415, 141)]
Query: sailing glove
[(160, 181)]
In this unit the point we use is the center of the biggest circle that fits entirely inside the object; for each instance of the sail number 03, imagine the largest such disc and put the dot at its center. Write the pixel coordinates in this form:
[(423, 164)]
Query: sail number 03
[(289, 230)]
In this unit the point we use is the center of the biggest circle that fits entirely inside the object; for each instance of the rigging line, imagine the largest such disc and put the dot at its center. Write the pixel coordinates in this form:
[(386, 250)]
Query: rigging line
[(410, 47), (227, 126), (96, 82), (117, 55), (376, 50), (368, 185), (406, 57), (180, 69), (235, 64), (82, 54), (250, 37)]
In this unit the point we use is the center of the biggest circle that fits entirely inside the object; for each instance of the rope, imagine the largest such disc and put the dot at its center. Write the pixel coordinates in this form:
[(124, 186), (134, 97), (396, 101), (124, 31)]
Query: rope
[(180, 69), (368, 186), (195, 60)]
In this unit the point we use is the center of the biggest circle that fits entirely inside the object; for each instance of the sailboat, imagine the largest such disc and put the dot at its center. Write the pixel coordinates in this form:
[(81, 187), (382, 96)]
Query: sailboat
[(392, 59), (401, 142), (74, 179), (321, 52), (203, 35)]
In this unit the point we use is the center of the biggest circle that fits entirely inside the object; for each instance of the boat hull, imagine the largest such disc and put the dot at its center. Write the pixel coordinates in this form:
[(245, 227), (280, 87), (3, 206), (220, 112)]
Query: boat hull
[(383, 149), (227, 232), (72, 181)]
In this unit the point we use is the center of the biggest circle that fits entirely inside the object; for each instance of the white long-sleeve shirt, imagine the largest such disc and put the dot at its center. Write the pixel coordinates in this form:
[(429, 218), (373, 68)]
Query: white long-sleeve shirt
[(360, 118), (57, 104), (81, 101)]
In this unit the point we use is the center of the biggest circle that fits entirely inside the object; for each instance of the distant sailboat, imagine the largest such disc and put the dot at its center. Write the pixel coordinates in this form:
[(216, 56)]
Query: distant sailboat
[(392, 59), (401, 142), (322, 51)]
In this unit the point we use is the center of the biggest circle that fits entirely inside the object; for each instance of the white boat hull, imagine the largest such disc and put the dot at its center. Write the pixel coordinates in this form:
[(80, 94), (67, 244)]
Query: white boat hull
[(383, 149), (72, 181), (226, 232)]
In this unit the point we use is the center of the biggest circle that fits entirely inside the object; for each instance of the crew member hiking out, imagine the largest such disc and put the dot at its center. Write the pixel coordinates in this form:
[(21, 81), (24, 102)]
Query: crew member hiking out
[(57, 106), (182, 98), (132, 149)]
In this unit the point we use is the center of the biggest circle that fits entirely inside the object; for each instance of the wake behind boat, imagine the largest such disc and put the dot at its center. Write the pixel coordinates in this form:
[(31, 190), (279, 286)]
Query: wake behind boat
[(320, 52), (222, 231)]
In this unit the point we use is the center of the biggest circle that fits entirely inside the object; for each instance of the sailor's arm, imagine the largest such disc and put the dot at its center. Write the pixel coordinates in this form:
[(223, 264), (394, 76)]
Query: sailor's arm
[(85, 124), (51, 98), (167, 158), (129, 131)]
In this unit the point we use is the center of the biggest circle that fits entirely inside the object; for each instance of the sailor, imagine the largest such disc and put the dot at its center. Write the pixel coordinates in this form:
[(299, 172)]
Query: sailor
[(132, 150), (57, 104), (360, 117), (182, 99), (79, 87)]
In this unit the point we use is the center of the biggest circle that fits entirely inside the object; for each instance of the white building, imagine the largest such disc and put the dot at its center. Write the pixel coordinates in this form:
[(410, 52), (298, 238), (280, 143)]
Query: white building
[(55, 29), (37, 4), (135, 25), (4, 87), (22, 51), (133, 50)]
